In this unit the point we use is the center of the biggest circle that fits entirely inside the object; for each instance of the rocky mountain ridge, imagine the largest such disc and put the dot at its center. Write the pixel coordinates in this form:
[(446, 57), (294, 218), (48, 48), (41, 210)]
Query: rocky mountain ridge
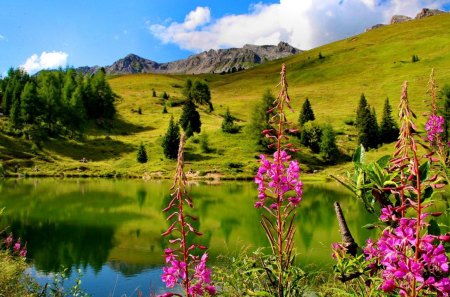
[(212, 61), (424, 13)]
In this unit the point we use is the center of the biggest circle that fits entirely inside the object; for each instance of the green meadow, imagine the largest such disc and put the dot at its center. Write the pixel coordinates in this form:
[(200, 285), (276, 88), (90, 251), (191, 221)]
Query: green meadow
[(375, 63)]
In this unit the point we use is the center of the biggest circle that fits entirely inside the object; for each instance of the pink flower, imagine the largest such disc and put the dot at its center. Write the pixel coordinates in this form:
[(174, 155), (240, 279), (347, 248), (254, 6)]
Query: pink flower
[(278, 179), (434, 127), (9, 241), (17, 246), (23, 252), (168, 255)]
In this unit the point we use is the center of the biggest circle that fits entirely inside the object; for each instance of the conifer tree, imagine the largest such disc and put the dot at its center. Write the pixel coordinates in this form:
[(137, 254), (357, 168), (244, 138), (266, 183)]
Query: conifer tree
[(361, 111), (259, 120), (190, 119), (388, 129), (228, 125), (368, 131), (142, 154), (306, 114), (30, 103), (171, 140)]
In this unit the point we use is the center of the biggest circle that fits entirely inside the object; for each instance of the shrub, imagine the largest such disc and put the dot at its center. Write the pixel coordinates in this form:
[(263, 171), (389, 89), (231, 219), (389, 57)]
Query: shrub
[(204, 143), (328, 148), (142, 154), (310, 136)]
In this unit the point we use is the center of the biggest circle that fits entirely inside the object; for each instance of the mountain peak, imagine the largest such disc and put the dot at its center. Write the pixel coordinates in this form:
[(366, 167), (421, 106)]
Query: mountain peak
[(212, 61)]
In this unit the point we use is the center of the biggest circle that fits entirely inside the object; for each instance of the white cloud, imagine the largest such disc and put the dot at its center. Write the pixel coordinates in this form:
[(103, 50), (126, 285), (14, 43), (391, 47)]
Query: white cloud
[(2, 38), (47, 60), (304, 24)]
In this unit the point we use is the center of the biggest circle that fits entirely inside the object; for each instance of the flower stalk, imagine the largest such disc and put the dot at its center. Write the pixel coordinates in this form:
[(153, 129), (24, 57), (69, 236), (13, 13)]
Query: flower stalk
[(183, 266), (279, 188)]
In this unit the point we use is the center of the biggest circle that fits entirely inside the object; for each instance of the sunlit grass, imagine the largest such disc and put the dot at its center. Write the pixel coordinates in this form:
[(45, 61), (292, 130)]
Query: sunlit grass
[(374, 63)]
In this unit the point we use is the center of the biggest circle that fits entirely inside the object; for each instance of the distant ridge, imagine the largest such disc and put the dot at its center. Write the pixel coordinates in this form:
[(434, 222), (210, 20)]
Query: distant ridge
[(212, 61), (424, 13)]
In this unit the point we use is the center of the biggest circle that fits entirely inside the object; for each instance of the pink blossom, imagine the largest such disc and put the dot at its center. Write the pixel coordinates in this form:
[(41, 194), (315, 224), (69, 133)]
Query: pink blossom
[(278, 179), (17, 246), (23, 252), (434, 127), (9, 241)]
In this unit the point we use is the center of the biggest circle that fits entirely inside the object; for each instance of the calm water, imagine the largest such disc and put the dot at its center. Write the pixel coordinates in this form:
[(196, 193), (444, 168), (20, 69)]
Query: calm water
[(110, 229)]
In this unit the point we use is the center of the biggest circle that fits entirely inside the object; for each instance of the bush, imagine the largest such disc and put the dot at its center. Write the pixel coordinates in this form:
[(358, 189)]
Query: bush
[(310, 136), (228, 125), (204, 143), (415, 58), (255, 275), (14, 281), (142, 154), (328, 148)]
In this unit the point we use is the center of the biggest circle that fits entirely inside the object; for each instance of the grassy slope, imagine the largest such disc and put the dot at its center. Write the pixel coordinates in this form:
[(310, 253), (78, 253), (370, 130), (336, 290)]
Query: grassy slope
[(376, 63)]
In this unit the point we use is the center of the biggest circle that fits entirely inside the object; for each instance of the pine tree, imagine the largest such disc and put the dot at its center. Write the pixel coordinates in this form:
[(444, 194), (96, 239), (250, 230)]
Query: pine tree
[(306, 114), (228, 125), (328, 148), (259, 120), (30, 103), (164, 109), (361, 111), (171, 140), (142, 154), (368, 132), (153, 93), (190, 119), (388, 129)]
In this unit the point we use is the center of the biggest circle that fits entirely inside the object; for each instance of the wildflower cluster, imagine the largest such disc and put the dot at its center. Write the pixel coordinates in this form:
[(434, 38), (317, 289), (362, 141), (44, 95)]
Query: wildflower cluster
[(176, 271), (434, 128), (278, 179), (395, 255), (183, 266), (408, 257), (15, 247)]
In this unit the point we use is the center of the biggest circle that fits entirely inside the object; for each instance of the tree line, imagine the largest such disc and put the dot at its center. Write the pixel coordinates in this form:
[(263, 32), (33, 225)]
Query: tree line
[(57, 102)]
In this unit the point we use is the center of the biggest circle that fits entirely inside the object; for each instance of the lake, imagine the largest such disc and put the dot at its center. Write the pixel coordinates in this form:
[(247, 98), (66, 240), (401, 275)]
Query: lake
[(111, 229)]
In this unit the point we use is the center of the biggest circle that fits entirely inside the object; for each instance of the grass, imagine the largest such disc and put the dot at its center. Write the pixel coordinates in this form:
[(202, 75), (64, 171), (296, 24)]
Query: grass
[(374, 63)]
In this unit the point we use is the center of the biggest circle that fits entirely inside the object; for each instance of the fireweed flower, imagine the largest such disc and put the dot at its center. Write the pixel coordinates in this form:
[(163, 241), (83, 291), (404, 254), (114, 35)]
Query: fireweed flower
[(434, 127), (394, 253), (278, 179), (182, 266)]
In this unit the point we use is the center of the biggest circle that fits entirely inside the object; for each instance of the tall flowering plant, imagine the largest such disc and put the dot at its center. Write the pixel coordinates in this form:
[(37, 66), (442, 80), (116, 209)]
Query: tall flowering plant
[(183, 266), (435, 131), (279, 187), (409, 256)]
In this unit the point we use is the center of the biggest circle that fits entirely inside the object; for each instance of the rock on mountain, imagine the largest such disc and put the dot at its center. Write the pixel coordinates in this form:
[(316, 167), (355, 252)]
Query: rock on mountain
[(399, 19), (426, 12), (212, 61)]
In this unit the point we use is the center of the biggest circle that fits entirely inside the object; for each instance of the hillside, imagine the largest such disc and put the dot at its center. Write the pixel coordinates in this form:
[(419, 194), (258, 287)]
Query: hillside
[(374, 63), (213, 61)]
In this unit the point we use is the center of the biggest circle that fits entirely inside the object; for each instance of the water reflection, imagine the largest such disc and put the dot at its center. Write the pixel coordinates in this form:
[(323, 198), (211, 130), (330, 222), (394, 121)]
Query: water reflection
[(116, 225)]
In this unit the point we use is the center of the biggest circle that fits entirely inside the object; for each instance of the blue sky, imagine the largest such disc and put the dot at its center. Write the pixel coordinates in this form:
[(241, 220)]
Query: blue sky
[(51, 33)]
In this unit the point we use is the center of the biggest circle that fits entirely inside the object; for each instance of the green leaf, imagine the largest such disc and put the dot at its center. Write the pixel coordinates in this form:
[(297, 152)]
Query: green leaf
[(258, 293), (424, 170), (433, 228), (369, 226), (360, 155), (383, 161), (427, 193)]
